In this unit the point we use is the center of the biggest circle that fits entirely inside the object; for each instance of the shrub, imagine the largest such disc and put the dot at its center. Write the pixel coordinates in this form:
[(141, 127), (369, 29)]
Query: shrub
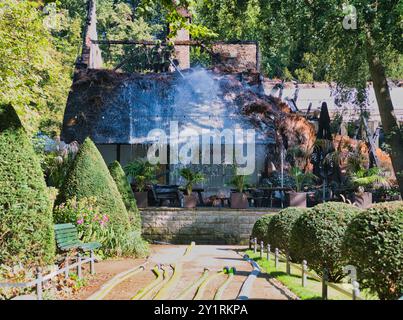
[(26, 224), (318, 234), (260, 228), (91, 223), (374, 244), (280, 226), (90, 177), (126, 191)]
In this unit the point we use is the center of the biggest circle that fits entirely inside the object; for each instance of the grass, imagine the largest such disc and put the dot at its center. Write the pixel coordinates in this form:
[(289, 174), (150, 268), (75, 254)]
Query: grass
[(293, 281)]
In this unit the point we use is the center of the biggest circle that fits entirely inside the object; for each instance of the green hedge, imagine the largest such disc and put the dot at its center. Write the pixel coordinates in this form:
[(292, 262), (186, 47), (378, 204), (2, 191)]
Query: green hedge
[(126, 191), (374, 245), (89, 177), (318, 234), (260, 228), (26, 223), (280, 227)]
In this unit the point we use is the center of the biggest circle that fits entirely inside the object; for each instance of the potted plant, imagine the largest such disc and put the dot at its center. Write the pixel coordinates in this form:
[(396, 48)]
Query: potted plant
[(189, 200), (238, 199), (363, 181), (143, 174), (298, 196)]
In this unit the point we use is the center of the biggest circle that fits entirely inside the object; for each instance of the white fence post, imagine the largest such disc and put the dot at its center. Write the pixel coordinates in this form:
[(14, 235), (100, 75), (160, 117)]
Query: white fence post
[(92, 262), (261, 249), (356, 290), (268, 252), (79, 269), (276, 258), (324, 284), (66, 266), (288, 265), (39, 288), (304, 270), (255, 245)]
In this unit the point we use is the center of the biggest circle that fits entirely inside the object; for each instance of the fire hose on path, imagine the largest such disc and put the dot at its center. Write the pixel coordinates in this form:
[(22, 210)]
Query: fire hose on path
[(248, 284)]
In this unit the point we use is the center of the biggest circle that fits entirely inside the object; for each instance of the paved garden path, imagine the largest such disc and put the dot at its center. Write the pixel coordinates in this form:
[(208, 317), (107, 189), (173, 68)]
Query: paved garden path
[(212, 257)]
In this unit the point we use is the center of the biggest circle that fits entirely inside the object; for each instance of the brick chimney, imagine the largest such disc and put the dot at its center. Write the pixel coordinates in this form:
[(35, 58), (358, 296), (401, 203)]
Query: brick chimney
[(182, 53)]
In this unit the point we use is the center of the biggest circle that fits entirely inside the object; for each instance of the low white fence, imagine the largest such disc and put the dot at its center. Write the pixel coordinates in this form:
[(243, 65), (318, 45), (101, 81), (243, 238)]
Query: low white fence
[(354, 293), (41, 279)]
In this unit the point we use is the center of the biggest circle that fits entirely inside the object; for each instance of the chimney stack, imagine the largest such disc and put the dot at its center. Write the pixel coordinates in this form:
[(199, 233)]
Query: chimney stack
[(182, 52)]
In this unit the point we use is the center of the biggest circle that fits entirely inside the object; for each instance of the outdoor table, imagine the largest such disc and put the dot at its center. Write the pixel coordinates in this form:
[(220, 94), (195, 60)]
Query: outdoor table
[(268, 192)]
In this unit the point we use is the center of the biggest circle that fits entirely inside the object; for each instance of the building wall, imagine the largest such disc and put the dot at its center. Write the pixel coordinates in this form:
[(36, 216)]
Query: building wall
[(238, 57), (203, 225), (217, 177), (182, 53)]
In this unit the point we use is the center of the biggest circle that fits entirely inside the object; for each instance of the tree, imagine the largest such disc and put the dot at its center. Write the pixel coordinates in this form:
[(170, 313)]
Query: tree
[(37, 51), (354, 54), (126, 191), (89, 177), (26, 222)]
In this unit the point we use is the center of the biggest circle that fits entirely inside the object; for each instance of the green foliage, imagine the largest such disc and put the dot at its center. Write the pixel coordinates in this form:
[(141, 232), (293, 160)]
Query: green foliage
[(239, 181), (280, 227), (55, 157), (91, 224), (317, 237), (301, 178), (89, 177), (374, 245), (191, 178), (126, 191), (26, 224), (142, 172), (37, 53), (260, 228), (369, 178)]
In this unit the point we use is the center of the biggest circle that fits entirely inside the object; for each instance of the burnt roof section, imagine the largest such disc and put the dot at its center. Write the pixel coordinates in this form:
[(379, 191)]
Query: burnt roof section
[(117, 108)]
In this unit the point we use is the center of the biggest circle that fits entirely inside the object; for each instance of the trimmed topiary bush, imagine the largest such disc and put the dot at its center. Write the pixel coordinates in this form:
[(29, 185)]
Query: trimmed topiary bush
[(374, 245), (126, 191), (26, 222), (318, 234), (89, 177), (260, 228), (280, 227)]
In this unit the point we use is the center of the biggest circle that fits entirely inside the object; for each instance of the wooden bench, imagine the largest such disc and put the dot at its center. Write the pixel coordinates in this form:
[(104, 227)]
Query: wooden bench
[(67, 238), (167, 193)]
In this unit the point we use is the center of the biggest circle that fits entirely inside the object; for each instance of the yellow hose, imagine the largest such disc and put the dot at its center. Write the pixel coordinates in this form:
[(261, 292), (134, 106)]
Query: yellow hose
[(194, 284), (224, 285), (153, 291), (108, 288), (146, 289), (200, 290), (164, 292)]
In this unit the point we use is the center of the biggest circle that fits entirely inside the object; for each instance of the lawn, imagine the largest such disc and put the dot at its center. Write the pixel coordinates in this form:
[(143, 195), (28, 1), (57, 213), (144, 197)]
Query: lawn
[(313, 287)]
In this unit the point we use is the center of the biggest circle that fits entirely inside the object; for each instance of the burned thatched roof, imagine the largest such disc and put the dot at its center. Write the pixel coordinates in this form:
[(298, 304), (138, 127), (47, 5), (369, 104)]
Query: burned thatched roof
[(117, 108)]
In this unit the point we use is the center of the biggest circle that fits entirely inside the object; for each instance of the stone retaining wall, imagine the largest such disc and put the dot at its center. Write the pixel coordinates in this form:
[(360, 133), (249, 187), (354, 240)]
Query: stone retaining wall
[(203, 225)]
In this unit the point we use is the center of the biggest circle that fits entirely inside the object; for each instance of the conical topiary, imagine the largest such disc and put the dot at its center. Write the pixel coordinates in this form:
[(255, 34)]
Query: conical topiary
[(26, 222), (89, 177), (126, 191)]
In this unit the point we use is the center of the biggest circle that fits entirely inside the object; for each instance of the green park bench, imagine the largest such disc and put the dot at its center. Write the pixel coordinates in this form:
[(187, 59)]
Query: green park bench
[(67, 238)]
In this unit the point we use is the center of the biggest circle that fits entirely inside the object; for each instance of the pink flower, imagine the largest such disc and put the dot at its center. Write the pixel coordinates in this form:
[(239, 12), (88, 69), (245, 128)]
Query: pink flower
[(105, 218), (80, 221)]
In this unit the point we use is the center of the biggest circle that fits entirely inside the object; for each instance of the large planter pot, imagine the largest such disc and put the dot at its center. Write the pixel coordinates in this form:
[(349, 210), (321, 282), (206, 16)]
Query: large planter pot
[(363, 199), (189, 202), (141, 199), (297, 199), (239, 201)]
